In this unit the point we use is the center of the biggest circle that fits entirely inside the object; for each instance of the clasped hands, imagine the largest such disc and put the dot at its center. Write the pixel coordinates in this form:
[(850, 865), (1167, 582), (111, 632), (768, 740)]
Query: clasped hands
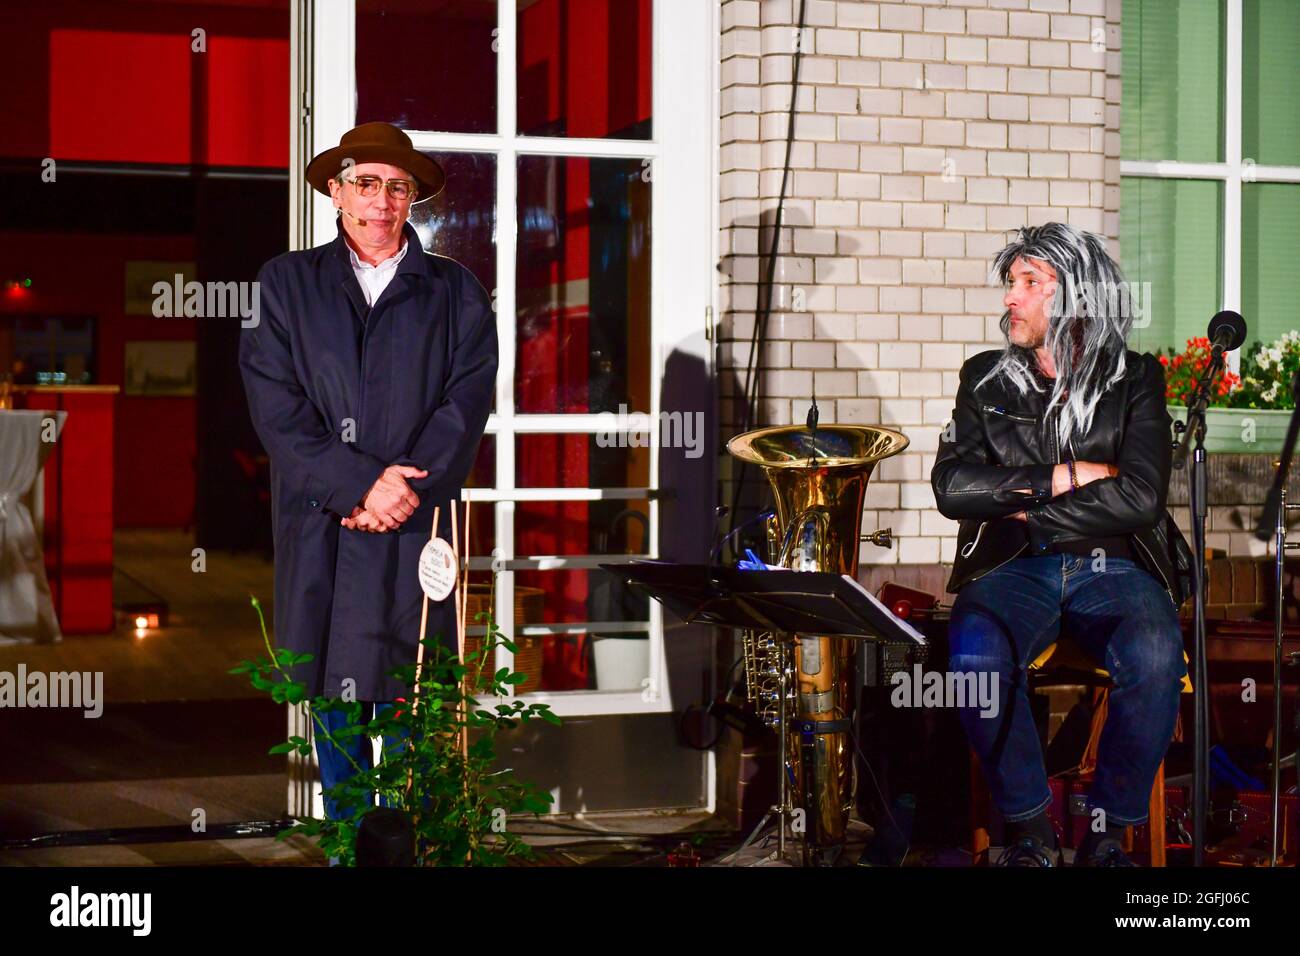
[(1085, 471), (388, 503)]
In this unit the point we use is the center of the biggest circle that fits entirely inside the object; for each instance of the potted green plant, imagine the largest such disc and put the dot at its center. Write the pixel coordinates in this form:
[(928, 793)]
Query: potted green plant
[(444, 777), (1249, 412)]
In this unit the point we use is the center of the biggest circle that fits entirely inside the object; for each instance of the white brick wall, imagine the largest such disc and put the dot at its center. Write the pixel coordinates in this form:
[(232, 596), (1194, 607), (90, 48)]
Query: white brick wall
[(925, 130)]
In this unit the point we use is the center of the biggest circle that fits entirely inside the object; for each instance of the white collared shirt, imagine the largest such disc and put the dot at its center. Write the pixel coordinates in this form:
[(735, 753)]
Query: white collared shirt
[(374, 279)]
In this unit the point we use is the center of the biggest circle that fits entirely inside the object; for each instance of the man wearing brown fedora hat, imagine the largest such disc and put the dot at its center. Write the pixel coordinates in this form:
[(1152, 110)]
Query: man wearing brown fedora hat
[(369, 377)]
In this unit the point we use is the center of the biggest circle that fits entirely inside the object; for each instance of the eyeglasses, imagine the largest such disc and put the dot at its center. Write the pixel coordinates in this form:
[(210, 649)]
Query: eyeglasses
[(368, 186)]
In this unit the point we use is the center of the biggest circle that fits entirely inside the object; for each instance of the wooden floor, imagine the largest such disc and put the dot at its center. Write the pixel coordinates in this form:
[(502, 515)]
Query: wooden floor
[(211, 627), (177, 733)]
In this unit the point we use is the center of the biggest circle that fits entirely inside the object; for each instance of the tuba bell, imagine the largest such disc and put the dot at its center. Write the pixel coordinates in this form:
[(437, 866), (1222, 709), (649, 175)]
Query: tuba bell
[(819, 480)]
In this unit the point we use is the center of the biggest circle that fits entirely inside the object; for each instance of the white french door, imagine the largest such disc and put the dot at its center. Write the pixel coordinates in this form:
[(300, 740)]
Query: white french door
[(579, 139)]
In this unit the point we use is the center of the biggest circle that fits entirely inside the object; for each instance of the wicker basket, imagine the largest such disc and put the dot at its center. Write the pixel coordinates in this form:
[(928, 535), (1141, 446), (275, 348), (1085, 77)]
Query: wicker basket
[(528, 610)]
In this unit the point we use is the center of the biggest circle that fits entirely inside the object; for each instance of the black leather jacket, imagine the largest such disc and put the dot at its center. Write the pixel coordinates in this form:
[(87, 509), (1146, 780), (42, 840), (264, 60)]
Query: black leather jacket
[(1001, 445)]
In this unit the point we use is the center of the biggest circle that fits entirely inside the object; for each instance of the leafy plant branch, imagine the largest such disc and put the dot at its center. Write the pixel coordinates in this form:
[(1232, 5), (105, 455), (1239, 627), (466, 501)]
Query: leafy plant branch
[(442, 774)]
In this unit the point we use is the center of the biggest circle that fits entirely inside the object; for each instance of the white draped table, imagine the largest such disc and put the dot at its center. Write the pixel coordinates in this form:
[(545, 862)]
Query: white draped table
[(26, 608)]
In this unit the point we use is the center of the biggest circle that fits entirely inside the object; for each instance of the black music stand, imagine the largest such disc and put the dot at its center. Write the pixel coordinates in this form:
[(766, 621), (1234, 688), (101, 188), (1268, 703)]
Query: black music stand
[(788, 603), (793, 602)]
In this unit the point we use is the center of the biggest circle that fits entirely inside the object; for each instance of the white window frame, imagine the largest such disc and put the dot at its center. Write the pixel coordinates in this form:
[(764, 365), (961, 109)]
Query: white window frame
[(683, 288), (1232, 172)]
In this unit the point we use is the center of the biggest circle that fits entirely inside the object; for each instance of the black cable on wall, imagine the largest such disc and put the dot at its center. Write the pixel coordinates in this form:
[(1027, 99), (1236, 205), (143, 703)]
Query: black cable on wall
[(763, 307)]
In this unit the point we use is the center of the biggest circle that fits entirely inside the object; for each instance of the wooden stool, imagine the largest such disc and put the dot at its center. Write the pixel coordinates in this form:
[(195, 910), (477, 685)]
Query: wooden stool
[(1071, 667)]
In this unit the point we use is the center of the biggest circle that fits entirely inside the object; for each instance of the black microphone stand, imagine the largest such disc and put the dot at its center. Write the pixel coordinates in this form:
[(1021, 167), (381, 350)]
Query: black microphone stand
[(1194, 430), (1273, 523)]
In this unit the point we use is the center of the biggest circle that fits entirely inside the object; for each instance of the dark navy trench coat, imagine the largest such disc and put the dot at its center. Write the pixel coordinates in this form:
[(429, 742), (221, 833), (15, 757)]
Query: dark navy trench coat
[(337, 392)]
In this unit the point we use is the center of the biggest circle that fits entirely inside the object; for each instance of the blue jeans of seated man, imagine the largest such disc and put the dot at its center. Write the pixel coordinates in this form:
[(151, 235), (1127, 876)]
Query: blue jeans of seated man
[(1122, 619), (334, 764)]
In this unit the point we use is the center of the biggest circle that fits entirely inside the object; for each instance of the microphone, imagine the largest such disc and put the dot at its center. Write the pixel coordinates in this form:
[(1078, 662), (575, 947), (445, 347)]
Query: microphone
[(811, 422), (362, 222), (715, 546), (1227, 332)]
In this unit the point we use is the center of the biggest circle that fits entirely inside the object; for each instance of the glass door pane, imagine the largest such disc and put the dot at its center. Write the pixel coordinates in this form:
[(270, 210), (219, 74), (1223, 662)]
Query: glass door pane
[(584, 68), (1270, 117), (1270, 281), (428, 64), (575, 660), (583, 285), (1171, 236), (461, 221), (1173, 80)]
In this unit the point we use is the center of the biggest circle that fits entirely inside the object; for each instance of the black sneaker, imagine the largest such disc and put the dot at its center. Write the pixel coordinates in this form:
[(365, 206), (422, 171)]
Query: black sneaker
[(1029, 850), (1108, 852)]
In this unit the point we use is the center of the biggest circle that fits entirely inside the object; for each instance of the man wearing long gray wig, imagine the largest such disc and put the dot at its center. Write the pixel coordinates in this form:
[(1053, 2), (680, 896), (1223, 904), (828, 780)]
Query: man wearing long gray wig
[(1056, 463), (1086, 335)]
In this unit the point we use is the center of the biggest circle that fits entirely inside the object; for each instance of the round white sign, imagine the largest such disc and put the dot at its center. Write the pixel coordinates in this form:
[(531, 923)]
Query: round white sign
[(437, 569)]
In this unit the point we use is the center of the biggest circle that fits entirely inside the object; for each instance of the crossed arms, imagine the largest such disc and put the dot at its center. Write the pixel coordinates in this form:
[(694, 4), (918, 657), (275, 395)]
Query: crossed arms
[(1119, 497)]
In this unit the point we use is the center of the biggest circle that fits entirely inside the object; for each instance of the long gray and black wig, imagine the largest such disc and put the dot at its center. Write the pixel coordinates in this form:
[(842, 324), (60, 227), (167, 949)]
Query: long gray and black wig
[(1088, 324)]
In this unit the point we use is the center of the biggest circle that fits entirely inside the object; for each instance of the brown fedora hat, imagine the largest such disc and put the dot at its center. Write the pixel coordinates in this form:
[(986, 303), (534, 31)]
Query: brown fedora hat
[(376, 143)]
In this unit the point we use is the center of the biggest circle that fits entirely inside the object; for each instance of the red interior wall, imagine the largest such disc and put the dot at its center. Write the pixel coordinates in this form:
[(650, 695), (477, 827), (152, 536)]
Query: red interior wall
[(120, 83), (117, 82), (154, 445), (94, 74)]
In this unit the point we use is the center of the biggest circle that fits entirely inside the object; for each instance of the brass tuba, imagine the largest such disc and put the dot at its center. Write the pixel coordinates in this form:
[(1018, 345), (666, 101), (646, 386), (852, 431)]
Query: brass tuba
[(819, 479)]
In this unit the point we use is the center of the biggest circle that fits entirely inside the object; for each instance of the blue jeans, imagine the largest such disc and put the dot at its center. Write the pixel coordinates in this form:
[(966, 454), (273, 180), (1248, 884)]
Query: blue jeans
[(1123, 620), (334, 765)]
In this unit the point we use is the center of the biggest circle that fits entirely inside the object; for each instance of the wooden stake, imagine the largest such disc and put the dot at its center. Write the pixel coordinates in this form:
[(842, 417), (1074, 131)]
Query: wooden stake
[(424, 617), (455, 547), (464, 612), (419, 649), (461, 600), (463, 589), (464, 606)]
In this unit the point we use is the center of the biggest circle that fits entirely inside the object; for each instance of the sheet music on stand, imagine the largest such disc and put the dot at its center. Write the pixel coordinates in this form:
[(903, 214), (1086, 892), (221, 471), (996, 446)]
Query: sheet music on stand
[(793, 602), (896, 623)]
